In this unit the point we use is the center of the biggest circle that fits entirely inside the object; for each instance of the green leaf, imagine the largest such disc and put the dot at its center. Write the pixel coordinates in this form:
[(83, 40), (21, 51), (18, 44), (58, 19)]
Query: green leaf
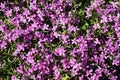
[(7, 22), (85, 26), (66, 77)]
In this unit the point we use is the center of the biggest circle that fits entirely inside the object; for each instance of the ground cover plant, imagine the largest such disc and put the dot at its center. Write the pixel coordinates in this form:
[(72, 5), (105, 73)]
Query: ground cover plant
[(60, 39)]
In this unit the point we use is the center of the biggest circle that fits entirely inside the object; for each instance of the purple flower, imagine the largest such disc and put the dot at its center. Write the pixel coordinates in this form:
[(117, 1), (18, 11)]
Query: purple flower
[(88, 11), (14, 78), (56, 34), (104, 19), (2, 5), (60, 51), (45, 27), (9, 13), (56, 73), (16, 9), (65, 39), (72, 62), (76, 68), (50, 44), (72, 28), (3, 44), (96, 26)]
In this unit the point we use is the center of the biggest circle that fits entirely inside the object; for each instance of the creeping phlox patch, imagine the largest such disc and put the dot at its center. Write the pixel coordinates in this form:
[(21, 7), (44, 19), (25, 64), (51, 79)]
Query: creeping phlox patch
[(54, 40)]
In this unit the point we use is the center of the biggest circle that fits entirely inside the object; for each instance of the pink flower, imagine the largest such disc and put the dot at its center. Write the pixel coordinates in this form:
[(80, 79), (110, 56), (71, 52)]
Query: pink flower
[(88, 12), (72, 61), (96, 26), (56, 34), (16, 9), (56, 73), (97, 41), (2, 5), (74, 41), (104, 19), (14, 78), (72, 28), (60, 51), (9, 13), (114, 4), (76, 68), (3, 44), (65, 39), (45, 27)]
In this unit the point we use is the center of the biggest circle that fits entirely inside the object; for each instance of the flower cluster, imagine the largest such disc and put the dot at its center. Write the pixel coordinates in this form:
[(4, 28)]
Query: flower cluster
[(48, 43)]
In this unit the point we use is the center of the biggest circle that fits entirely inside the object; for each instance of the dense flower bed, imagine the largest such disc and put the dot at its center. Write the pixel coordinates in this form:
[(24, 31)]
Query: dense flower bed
[(60, 40)]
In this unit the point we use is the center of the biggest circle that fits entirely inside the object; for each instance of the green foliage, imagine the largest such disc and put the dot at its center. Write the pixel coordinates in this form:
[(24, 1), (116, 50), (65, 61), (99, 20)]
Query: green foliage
[(66, 77), (9, 63)]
